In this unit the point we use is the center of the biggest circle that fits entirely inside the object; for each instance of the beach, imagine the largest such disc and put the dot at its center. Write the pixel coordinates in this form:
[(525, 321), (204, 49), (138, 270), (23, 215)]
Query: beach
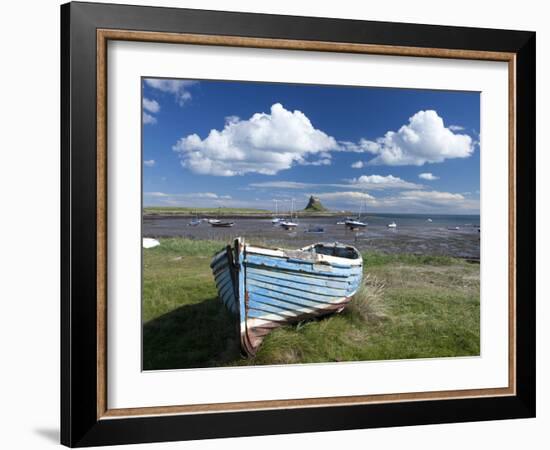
[(445, 235)]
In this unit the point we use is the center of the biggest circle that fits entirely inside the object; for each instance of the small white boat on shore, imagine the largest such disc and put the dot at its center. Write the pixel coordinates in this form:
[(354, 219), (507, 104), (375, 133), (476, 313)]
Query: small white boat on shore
[(150, 243), (392, 225)]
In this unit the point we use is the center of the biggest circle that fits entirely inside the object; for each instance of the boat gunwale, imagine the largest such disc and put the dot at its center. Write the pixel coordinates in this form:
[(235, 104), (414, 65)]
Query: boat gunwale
[(320, 258)]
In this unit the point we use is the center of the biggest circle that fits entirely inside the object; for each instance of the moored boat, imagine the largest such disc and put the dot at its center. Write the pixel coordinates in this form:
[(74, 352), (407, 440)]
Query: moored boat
[(220, 224), (315, 230), (288, 224), (267, 288), (276, 220), (354, 224)]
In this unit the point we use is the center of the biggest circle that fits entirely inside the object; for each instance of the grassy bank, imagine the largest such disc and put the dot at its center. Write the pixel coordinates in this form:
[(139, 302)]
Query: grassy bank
[(419, 307)]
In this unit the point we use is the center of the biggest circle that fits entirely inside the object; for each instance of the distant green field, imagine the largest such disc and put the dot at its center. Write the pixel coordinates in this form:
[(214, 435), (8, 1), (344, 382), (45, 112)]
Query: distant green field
[(416, 307), (184, 210)]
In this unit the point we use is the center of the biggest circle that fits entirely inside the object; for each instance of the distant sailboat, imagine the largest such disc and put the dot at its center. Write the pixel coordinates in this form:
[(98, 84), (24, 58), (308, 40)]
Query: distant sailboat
[(392, 225), (353, 224), (217, 223), (276, 220), (429, 220), (196, 221), (289, 224)]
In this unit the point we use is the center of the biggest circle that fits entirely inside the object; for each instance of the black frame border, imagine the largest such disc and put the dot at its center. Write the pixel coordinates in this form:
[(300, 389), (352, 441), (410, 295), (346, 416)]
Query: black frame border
[(79, 423)]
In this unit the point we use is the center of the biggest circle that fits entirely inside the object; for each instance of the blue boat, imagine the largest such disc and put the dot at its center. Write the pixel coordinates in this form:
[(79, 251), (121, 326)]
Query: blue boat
[(315, 230), (266, 288)]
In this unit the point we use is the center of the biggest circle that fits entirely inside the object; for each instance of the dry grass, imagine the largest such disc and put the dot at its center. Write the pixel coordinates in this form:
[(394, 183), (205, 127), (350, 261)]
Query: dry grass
[(368, 302)]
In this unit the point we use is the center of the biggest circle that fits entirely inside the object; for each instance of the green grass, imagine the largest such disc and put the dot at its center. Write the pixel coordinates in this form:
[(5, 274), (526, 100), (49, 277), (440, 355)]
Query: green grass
[(166, 210), (187, 211), (411, 307)]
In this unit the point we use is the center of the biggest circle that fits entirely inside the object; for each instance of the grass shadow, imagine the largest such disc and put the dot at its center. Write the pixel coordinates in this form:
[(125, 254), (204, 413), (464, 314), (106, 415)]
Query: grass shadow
[(202, 334)]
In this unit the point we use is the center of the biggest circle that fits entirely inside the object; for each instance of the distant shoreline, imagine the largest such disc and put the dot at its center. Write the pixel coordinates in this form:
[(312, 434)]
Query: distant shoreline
[(235, 213)]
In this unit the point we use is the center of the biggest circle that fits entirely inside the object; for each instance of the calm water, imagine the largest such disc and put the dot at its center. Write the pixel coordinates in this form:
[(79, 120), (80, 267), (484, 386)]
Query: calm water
[(414, 234)]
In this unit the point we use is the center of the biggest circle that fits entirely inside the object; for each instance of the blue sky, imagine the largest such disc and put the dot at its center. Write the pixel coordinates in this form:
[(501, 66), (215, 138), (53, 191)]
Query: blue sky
[(246, 144)]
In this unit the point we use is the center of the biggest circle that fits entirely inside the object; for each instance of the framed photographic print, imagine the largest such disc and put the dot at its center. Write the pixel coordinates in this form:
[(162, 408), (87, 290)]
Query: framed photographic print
[(276, 224)]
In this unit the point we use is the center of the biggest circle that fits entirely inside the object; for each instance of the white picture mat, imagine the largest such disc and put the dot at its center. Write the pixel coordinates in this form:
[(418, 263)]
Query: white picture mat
[(128, 386)]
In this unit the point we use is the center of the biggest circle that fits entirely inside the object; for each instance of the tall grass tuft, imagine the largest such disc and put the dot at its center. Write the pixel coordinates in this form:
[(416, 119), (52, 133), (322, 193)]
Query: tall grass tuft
[(368, 301)]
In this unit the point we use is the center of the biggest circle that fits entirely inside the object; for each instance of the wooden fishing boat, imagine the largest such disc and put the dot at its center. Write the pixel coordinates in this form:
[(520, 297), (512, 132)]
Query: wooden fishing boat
[(266, 288)]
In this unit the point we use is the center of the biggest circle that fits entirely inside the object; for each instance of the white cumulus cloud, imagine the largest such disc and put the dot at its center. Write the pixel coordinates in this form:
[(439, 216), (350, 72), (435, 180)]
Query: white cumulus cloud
[(425, 139), (381, 182), (149, 163), (433, 196), (346, 197), (428, 176), (179, 88), (358, 165), (282, 185), (151, 105), (367, 182), (191, 195), (266, 143), (148, 119)]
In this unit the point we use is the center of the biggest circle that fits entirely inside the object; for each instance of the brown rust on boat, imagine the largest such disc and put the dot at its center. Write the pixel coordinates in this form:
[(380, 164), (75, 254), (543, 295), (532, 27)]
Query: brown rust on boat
[(257, 329)]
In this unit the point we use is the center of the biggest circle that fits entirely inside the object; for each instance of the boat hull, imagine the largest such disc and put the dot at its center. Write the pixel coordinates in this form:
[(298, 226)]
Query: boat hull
[(355, 224), (267, 288), (222, 224)]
